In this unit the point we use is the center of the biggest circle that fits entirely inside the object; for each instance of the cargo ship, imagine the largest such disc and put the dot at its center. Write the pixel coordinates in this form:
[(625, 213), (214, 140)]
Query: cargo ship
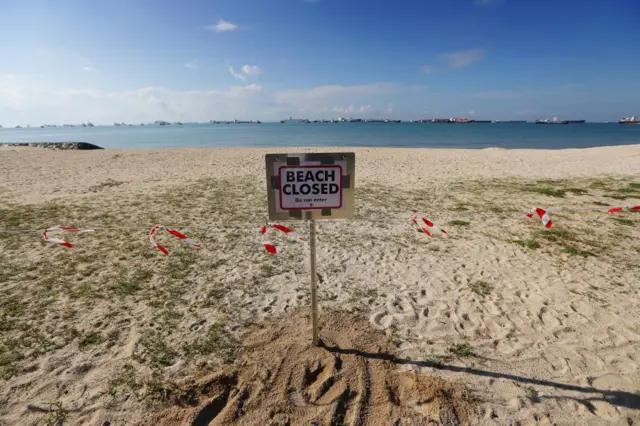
[(629, 120), (295, 120), (554, 121)]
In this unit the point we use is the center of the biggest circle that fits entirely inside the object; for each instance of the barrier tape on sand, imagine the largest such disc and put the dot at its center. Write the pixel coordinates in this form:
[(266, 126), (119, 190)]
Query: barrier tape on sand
[(173, 232), (429, 228), (58, 241), (268, 244), (625, 208), (543, 215)]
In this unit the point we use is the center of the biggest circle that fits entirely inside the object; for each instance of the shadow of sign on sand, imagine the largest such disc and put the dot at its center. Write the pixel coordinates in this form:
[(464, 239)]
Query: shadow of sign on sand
[(619, 398)]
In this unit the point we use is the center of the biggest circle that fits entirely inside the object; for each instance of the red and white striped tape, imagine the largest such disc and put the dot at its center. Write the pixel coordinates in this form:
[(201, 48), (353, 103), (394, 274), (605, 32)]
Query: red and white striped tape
[(542, 214), (626, 208), (266, 241), (428, 227), (173, 232), (58, 241)]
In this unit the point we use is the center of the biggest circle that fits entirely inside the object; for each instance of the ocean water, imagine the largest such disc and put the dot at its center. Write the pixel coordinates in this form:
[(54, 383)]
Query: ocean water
[(427, 135)]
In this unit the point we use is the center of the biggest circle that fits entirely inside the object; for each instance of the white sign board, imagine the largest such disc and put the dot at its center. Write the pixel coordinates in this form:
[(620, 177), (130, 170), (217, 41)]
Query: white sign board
[(310, 182), (310, 187)]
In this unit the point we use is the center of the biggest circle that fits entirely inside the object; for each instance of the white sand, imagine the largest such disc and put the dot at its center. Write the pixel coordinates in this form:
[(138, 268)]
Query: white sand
[(43, 174), (557, 336)]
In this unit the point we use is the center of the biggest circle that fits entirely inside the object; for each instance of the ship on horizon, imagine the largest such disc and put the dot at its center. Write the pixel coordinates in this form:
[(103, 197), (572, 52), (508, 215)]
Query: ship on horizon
[(295, 120), (629, 120), (556, 121)]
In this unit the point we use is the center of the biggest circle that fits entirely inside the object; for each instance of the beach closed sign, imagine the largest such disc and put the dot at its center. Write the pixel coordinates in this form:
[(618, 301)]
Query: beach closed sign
[(310, 186)]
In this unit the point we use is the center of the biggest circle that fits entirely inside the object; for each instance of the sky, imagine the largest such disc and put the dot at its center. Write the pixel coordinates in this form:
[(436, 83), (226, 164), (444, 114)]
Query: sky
[(73, 61)]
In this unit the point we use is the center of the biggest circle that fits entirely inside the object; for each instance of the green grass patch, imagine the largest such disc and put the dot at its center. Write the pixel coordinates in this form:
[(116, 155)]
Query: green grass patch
[(158, 352), (626, 222), (90, 339), (481, 288), (575, 252), (635, 185), (462, 350), (558, 193), (459, 223), (531, 244), (628, 190)]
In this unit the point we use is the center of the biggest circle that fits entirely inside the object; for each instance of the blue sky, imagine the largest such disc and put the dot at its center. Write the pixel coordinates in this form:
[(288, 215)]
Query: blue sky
[(144, 60)]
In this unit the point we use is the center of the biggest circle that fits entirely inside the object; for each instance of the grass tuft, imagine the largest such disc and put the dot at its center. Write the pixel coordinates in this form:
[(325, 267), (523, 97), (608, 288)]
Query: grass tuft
[(626, 222), (90, 339), (558, 193), (531, 244), (57, 415), (462, 350), (575, 252), (481, 288)]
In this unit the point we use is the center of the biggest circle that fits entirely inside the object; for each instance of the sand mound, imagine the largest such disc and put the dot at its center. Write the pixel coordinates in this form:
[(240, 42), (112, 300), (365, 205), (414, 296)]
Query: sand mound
[(281, 379)]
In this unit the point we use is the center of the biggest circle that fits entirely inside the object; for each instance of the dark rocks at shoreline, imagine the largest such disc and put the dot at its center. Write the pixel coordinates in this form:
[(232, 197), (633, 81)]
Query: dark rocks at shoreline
[(61, 146)]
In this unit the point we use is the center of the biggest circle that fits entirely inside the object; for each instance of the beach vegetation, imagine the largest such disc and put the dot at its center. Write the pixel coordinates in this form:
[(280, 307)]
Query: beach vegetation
[(125, 380), (459, 223), (90, 339), (551, 192), (555, 234), (57, 415), (625, 222), (531, 244), (217, 340), (156, 351), (572, 251), (481, 288), (462, 350)]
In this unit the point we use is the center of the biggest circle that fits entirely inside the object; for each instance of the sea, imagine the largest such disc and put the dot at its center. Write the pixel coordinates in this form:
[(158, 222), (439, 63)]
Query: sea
[(406, 135)]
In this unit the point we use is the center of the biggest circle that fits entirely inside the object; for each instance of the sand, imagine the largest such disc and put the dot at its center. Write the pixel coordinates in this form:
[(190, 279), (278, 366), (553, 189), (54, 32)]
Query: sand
[(499, 322)]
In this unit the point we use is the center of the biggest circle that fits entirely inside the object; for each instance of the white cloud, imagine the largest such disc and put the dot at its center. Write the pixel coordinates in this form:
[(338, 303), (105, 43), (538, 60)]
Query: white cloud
[(90, 69), (222, 26), (463, 58), (192, 64), (246, 71), (389, 109), (251, 70), (8, 76), (237, 75), (427, 69), (33, 106)]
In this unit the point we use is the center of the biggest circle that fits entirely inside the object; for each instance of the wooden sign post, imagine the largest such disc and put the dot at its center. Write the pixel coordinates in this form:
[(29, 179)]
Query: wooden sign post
[(311, 187)]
